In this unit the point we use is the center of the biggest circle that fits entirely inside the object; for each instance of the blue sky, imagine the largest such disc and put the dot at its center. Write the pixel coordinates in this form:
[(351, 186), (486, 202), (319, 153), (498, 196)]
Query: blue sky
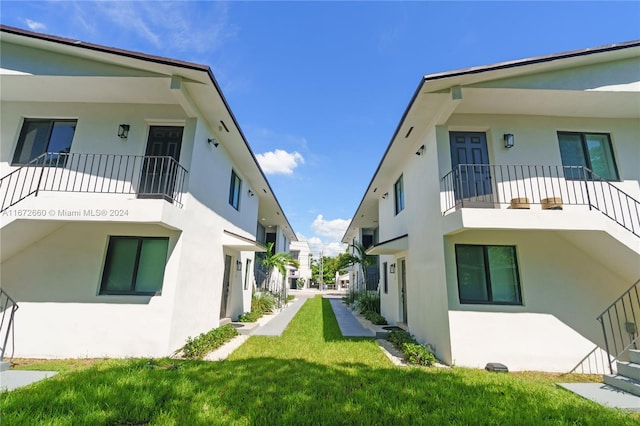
[(319, 87)]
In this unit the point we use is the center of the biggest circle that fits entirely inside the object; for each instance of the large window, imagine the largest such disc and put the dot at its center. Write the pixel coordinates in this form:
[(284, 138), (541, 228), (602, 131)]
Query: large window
[(134, 265), (40, 135), (591, 150), (234, 190), (385, 281), (398, 190), (488, 274)]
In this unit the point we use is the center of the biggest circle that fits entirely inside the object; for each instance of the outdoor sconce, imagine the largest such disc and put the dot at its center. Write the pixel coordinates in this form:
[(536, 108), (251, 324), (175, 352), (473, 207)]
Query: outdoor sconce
[(385, 195), (123, 131), (238, 265), (508, 140), (250, 193), (392, 268), (214, 141), (421, 150)]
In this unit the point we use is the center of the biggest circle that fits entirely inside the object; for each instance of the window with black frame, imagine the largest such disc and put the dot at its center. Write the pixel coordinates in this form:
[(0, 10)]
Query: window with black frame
[(398, 190), (488, 274), (134, 265), (590, 150), (39, 136), (234, 190)]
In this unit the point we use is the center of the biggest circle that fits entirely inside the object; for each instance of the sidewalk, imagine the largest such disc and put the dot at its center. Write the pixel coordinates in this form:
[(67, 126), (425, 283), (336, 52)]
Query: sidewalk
[(280, 321), (349, 325)]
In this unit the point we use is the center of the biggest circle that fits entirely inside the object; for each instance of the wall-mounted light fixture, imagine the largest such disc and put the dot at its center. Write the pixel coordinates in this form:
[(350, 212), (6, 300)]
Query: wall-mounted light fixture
[(392, 268), (508, 140), (213, 141), (238, 265), (250, 193), (385, 195), (123, 131), (420, 150)]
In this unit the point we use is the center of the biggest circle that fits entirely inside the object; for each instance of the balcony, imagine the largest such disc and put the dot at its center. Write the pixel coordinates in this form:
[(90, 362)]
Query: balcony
[(535, 187), (155, 177)]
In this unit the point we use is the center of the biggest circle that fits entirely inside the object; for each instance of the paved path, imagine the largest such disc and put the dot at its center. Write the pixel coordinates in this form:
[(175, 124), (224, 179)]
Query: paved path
[(276, 325), (349, 325)]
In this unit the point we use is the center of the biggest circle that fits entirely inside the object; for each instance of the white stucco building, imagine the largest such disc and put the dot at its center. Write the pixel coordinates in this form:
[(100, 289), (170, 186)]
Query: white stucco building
[(505, 209), (132, 204), (301, 252)]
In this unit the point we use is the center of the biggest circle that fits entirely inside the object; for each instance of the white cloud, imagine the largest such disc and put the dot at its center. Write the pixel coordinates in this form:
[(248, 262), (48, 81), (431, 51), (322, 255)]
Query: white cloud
[(279, 161), (329, 249), (35, 26), (333, 229)]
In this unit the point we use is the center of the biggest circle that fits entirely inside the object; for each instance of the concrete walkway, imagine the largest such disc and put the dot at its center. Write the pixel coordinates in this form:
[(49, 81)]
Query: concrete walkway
[(13, 379), (277, 324), (349, 325)]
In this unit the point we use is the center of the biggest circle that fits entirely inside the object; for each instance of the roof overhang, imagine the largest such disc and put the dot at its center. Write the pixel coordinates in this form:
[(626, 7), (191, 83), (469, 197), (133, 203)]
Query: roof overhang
[(392, 246), (240, 243)]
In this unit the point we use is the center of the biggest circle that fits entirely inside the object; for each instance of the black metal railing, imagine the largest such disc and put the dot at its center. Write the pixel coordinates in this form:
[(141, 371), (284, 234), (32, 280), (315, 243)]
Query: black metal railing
[(145, 176), (518, 186), (620, 324), (8, 307), (595, 362), (21, 183)]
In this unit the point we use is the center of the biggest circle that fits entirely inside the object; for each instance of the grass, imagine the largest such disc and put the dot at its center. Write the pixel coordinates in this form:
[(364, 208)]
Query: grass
[(310, 375)]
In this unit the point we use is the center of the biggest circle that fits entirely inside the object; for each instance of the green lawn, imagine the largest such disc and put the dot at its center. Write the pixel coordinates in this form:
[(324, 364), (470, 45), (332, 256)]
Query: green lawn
[(309, 376)]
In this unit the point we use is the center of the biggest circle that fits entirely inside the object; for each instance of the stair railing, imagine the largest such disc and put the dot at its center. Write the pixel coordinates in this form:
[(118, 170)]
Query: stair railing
[(21, 183), (619, 324), (8, 307)]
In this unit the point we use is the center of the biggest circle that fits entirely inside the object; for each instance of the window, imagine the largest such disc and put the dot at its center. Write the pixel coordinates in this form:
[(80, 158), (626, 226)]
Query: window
[(41, 135), (488, 274), (234, 190), (398, 190), (134, 265), (247, 273), (385, 282), (591, 150)]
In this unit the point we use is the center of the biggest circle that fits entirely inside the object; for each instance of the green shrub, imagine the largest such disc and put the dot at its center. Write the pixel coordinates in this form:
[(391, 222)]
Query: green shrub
[(399, 338), (368, 301), (263, 302), (198, 347), (418, 354), (375, 318), (290, 297), (252, 316)]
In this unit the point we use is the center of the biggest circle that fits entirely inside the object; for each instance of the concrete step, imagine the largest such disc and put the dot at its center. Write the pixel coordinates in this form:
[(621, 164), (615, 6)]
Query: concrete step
[(629, 369), (634, 355), (624, 383), (4, 365)]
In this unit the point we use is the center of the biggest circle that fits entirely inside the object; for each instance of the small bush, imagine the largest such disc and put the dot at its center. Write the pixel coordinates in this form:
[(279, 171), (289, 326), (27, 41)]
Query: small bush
[(198, 347), (252, 316), (263, 302), (368, 301), (418, 354), (290, 297), (399, 338), (375, 318)]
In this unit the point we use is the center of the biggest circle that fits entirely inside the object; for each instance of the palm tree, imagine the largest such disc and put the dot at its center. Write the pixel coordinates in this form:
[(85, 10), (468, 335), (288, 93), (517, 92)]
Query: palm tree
[(278, 261), (360, 257)]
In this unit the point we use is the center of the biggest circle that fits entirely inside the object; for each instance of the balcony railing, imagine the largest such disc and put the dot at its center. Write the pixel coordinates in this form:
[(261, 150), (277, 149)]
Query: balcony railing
[(145, 176), (517, 187)]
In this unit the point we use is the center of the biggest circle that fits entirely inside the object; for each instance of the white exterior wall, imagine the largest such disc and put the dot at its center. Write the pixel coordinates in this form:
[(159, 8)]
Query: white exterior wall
[(56, 284), (98, 325), (536, 335), (427, 313), (563, 289)]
